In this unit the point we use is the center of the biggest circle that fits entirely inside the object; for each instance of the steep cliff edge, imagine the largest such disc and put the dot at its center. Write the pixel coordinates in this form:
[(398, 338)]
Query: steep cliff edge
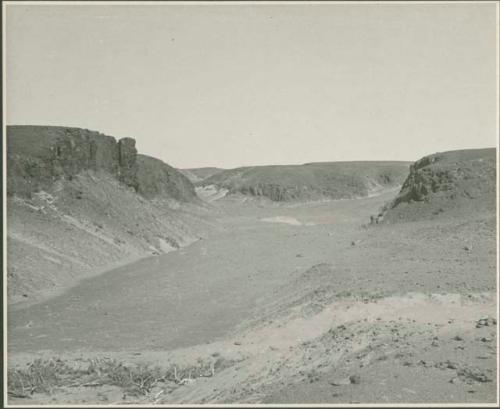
[(444, 184), (39, 155), (80, 202)]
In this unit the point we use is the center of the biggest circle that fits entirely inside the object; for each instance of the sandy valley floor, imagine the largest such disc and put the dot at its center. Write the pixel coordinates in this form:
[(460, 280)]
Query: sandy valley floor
[(285, 304)]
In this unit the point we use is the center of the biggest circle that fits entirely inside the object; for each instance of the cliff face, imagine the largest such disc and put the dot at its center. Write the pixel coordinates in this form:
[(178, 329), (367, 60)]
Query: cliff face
[(78, 202), (40, 155), (446, 183)]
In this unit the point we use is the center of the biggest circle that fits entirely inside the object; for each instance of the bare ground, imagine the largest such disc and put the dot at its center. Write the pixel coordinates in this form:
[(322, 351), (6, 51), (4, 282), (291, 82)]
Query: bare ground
[(325, 309)]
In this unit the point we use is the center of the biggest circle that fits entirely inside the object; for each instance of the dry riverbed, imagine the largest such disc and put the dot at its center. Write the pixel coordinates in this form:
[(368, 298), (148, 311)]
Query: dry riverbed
[(284, 304)]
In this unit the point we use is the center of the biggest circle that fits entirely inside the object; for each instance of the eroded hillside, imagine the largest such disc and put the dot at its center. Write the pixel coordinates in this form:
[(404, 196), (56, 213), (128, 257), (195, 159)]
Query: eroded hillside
[(456, 183), (80, 202), (156, 178), (314, 181)]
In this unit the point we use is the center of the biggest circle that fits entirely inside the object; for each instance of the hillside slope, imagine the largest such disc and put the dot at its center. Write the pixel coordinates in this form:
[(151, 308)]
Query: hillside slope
[(156, 178), (198, 174), (454, 183), (80, 202), (314, 181)]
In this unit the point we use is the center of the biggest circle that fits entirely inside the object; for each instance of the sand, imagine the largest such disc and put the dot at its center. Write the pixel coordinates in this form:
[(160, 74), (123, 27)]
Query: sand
[(326, 310)]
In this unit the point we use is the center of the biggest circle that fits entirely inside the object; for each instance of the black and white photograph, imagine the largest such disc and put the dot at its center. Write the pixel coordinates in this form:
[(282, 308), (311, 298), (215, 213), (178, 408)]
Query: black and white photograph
[(250, 204)]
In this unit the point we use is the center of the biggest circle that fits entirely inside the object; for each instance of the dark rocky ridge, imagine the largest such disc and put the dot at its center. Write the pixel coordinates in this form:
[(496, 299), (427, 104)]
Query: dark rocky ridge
[(39, 155), (446, 182), (156, 178)]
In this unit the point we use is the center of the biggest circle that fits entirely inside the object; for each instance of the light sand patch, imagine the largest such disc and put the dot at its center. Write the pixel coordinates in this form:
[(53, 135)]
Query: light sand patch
[(295, 344), (279, 346), (164, 246), (211, 193), (282, 219)]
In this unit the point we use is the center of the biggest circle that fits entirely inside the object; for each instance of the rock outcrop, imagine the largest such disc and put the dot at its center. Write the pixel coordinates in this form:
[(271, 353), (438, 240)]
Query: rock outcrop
[(127, 162), (37, 156), (445, 183), (80, 201)]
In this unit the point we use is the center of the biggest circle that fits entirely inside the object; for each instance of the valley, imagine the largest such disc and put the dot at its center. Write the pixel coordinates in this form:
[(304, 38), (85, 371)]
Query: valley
[(231, 296)]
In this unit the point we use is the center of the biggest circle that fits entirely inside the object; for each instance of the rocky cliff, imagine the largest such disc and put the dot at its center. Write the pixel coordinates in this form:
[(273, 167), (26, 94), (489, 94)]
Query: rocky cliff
[(80, 202), (40, 155), (446, 183)]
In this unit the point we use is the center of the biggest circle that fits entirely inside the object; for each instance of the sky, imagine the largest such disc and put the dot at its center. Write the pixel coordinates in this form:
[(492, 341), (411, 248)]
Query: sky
[(232, 85)]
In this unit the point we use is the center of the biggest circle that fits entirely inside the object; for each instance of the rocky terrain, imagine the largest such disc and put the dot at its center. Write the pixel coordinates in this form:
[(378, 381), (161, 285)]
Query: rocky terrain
[(283, 301), (157, 179), (37, 156), (309, 182), (455, 184), (80, 202)]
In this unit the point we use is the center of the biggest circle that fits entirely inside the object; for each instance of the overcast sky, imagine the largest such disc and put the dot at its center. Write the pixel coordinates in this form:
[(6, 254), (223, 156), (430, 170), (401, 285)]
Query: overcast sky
[(231, 85)]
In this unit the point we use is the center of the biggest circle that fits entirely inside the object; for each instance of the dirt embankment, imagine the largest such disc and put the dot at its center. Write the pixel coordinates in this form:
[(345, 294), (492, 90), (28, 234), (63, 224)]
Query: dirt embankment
[(309, 182), (80, 202), (448, 184)]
